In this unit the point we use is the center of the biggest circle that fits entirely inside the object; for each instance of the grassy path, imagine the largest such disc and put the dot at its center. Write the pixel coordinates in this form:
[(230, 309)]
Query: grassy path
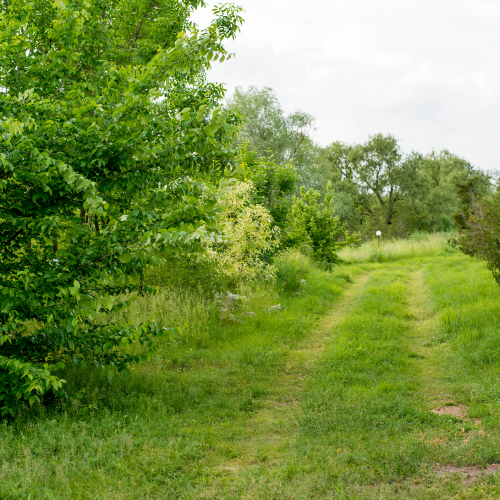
[(378, 414), (274, 427), (424, 330), (384, 388)]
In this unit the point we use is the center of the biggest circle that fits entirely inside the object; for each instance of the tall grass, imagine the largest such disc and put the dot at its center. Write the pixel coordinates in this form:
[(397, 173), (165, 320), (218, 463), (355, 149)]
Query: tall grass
[(468, 302), (200, 314), (292, 267), (417, 245)]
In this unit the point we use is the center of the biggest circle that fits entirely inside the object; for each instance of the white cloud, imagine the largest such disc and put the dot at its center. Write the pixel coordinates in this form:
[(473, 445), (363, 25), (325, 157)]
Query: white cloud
[(423, 70)]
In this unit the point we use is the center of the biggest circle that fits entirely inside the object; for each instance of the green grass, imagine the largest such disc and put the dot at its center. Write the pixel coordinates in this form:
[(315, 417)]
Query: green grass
[(189, 410), (417, 245), (327, 399)]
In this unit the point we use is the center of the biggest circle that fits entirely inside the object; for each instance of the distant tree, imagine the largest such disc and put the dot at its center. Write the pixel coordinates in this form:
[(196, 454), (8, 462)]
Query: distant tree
[(374, 171), (405, 192), (448, 179), (269, 131)]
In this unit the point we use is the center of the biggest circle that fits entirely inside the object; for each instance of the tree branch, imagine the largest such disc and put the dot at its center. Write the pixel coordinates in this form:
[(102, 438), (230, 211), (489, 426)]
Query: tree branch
[(302, 137)]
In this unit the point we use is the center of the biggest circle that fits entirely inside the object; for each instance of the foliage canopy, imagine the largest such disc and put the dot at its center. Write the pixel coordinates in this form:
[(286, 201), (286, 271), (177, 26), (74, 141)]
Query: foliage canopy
[(271, 132), (112, 147)]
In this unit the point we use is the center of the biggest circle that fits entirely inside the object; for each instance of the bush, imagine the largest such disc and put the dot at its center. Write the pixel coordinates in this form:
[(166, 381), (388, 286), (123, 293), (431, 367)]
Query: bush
[(247, 235), (291, 268), (314, 223)]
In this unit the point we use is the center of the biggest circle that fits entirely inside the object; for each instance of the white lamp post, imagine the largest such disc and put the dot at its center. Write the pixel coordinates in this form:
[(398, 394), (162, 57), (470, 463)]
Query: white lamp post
[(379, 234)]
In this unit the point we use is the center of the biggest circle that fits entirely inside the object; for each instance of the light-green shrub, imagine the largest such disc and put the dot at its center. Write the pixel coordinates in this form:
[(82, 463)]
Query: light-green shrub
[(247, 234)]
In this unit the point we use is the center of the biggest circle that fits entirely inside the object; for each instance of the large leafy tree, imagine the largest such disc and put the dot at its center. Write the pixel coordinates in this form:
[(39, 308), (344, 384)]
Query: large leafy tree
[(112, 145), (270, 131), (375, 171)]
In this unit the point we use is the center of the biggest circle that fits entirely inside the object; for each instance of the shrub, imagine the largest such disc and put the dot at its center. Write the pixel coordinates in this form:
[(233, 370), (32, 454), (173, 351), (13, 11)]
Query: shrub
[(291, 268), (247, 234), (314, 223)]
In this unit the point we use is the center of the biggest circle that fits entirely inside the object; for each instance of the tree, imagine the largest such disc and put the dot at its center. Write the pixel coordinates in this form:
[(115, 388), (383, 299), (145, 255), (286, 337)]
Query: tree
[(479, 226), (405, 192), (448, 176), (112, 149), (314, 223), (273, 184), (375, 170), (477, 222), (269, 131)]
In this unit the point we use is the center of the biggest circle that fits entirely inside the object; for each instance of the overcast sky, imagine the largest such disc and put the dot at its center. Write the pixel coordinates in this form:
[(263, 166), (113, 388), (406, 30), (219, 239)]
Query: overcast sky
[(426, 71)]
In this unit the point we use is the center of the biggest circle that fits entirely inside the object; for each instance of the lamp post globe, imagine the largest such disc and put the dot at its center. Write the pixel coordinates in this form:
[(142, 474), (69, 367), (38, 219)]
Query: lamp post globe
[(379, 234)]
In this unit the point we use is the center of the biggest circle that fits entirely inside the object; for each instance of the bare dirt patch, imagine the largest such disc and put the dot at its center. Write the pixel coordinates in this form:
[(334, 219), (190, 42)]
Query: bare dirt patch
[(438, 441), (469, 473), (457, 411)]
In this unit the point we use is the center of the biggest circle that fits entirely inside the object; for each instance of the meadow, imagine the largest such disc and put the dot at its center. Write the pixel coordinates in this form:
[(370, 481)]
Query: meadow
[(378, 380)]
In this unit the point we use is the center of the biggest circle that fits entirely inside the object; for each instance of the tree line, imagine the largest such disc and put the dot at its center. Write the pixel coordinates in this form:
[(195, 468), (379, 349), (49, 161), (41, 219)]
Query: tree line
[(377, 185)]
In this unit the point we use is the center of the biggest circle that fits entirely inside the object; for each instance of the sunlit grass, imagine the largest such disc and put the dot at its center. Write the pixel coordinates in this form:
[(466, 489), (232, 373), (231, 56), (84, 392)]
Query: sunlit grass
[(418, 245)]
